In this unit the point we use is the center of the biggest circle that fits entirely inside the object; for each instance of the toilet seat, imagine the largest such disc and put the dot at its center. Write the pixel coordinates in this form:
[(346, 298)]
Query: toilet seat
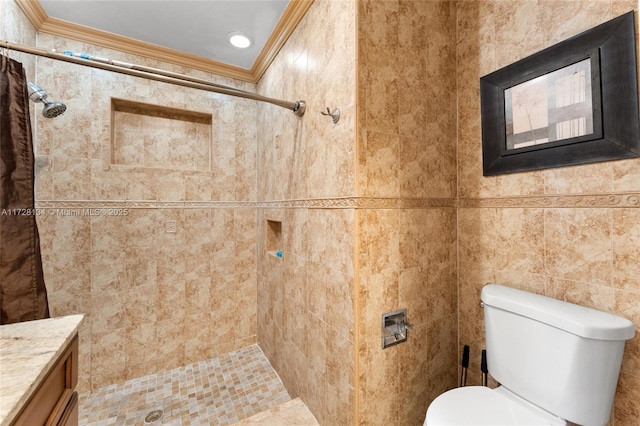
[(478, 405)]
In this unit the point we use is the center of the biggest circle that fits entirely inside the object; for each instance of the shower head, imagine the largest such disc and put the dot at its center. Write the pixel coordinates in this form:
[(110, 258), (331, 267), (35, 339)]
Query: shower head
[(51, 109)]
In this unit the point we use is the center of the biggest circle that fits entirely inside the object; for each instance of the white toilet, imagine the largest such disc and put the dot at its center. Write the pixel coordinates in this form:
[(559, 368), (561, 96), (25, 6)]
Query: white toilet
[(556, 362)]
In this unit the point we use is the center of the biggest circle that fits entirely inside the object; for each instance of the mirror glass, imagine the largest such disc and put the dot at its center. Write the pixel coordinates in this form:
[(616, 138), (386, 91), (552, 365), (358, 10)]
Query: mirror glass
[(550, 108)]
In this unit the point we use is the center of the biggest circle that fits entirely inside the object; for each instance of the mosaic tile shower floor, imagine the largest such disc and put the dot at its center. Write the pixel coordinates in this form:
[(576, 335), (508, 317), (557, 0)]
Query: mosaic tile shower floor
[(218, 391)]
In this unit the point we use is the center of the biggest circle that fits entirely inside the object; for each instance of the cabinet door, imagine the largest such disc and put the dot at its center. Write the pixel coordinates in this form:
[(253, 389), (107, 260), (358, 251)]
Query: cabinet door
[(54, 394), (70, 415)]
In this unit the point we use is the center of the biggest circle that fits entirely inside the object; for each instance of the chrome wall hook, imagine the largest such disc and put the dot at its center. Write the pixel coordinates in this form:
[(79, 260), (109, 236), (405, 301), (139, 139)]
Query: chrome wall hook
[(335, 114)]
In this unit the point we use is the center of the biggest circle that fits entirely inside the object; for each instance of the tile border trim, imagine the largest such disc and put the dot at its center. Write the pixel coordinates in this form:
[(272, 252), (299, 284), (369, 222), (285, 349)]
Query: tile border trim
[(314, 203), (620, 200)]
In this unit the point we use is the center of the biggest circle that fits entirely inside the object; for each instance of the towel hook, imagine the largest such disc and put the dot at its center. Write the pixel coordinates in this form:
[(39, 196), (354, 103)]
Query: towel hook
[(335, 114)]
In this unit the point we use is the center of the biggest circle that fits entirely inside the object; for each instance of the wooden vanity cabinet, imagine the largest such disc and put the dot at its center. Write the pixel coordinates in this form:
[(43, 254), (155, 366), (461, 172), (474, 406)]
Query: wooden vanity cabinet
[(55, 400)]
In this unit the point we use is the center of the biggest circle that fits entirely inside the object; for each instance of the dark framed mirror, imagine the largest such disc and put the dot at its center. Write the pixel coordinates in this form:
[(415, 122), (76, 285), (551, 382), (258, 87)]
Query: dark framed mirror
[(573, 103)]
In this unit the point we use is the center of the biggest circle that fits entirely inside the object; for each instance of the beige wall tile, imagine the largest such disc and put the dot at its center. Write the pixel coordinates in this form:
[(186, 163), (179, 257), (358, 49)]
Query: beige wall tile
[(71, 177), (471, 332), (43, 171), (442, 339), (533, 283), (563, 20), (440, 239), (411, 283), (380, 154), (626, 304), (63, 302), (317, 350), (340, 313), (70, 232), (412, 229), (414, 376), (520, 240), (626, 410), (378, 294), (472, 277), (71, 270), (197, 339), (588, 178), (340, 391), (578, 244), (518, 17), (108, 351), (139, 370), (626, 176), (477, 235), (442, 291), (170, 335), (140, 345), (106, 184), (626, 249), (379, 382), (582, 293), (379, 240), (100, 380)]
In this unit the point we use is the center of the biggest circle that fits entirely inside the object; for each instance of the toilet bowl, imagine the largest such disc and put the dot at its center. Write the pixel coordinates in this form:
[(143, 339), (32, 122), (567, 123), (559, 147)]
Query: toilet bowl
[(481, 406), (557, 362)]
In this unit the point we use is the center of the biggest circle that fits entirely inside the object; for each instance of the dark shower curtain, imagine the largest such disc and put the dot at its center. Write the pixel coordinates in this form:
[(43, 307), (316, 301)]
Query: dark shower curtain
[(23, 295)]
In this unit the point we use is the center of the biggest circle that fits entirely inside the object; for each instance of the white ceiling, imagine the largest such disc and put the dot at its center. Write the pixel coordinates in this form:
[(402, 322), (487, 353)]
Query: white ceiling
[(198, 27)]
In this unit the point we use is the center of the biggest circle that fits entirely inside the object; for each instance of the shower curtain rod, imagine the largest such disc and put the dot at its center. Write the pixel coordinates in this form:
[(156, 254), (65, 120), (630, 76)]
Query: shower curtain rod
[(156, 74)]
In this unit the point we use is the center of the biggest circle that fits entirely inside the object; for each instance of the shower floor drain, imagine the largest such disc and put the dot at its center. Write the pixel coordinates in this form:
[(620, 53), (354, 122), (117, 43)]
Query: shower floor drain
[(153, 416)]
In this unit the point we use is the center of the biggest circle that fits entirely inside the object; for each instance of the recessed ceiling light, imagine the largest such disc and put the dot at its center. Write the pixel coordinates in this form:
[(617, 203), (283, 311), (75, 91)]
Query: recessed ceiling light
[(239, 40)]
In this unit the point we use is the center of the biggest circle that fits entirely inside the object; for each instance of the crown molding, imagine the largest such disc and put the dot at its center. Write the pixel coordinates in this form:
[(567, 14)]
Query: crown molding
[(34, 12), (286, 25), (293, 14)]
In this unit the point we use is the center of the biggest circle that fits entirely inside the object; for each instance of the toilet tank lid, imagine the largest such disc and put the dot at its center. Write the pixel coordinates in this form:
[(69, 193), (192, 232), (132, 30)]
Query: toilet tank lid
[(575, 319)]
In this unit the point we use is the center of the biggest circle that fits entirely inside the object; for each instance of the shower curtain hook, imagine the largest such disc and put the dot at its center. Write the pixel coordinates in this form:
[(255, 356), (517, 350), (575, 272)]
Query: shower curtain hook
[(335, 114)]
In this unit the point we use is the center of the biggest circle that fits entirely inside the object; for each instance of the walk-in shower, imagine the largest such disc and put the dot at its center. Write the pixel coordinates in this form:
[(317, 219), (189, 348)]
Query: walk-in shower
[(51, 109)]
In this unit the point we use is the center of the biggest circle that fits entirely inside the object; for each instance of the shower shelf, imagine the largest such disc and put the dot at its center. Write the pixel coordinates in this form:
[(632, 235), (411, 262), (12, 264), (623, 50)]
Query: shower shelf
[(155, 136)]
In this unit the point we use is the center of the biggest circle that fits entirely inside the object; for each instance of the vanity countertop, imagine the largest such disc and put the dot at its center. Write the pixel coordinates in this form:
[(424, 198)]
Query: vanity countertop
[(28, 350)]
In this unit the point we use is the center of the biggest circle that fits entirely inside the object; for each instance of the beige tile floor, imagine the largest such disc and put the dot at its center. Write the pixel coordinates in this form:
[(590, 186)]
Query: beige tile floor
[(218, 391), (290, 413)]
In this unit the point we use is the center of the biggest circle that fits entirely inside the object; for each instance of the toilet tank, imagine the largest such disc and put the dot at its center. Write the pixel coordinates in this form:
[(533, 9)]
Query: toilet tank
[(559, 356)]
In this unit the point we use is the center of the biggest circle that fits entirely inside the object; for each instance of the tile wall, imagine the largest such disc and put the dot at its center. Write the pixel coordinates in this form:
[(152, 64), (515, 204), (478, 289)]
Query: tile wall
[(571, 233), (306, 181), (406, 226)]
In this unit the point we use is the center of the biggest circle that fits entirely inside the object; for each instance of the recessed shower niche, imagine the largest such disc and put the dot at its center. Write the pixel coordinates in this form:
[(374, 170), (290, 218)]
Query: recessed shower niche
[(274, 238), (153, 136)]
